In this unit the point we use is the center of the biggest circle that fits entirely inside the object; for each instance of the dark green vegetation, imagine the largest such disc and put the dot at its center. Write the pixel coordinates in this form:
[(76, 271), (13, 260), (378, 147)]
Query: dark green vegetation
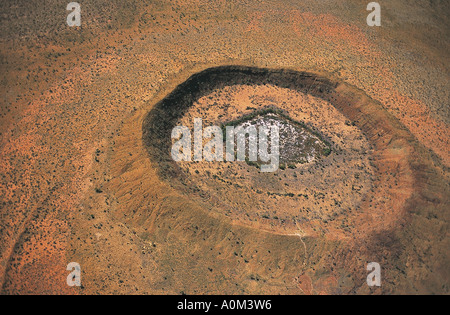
[(299, 143)]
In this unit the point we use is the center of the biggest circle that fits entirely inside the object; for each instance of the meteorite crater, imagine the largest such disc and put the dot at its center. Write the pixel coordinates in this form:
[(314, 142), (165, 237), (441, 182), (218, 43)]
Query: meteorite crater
[(325, 168)]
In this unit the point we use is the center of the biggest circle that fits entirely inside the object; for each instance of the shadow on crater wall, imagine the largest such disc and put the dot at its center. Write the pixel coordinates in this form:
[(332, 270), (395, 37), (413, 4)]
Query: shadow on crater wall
[(160, 121)]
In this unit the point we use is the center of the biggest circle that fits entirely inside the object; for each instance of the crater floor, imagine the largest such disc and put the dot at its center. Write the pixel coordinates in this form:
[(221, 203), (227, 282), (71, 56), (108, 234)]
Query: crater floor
[(323, 189), (297, 144)]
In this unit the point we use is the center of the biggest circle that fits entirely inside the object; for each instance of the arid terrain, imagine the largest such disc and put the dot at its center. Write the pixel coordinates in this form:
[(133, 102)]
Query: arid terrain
[(85, 169)]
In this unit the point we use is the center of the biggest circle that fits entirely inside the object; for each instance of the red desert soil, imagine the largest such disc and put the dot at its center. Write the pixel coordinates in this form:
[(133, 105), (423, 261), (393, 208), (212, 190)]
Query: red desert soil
[(77, 184)]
